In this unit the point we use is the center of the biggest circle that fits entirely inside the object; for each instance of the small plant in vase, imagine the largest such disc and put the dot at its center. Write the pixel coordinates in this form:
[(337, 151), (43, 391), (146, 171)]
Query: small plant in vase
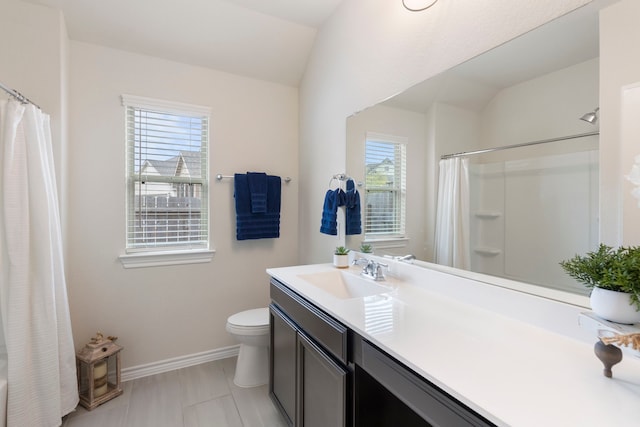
[(366, 248), (613, 275), (341, 257)]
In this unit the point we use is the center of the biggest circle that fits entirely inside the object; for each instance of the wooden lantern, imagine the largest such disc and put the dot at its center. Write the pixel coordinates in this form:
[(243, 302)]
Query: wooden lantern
[(98, 368)]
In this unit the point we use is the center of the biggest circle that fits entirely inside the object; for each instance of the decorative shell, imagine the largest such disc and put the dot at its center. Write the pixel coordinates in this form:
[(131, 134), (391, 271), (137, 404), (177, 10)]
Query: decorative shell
[(629, 340)]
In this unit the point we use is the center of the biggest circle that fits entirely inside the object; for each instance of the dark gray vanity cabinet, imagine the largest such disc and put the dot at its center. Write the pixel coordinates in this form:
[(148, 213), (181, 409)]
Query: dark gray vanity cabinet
[(309, 378), (324, 375)]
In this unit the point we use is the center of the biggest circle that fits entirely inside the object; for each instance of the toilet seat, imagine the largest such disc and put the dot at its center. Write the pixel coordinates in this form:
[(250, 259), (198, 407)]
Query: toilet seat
[(249, 322)]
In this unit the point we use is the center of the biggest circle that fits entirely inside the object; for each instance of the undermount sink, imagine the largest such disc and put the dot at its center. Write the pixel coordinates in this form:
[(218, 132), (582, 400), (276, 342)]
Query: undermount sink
[(345, 284)]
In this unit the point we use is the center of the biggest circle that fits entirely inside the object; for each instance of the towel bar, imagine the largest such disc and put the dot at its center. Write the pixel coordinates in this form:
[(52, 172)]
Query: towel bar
[(220, 177)]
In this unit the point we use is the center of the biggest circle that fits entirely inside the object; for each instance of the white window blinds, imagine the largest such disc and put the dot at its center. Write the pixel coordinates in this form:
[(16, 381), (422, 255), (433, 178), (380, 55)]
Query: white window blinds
[(167, 175), (385, 186)]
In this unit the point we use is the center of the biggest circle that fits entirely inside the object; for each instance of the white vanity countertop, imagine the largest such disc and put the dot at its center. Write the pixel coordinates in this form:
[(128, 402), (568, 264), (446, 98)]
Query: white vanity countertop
[(510, 371)]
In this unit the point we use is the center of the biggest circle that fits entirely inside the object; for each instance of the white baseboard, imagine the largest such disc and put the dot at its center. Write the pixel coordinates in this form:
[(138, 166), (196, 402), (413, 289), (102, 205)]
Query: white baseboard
[(167, 365)]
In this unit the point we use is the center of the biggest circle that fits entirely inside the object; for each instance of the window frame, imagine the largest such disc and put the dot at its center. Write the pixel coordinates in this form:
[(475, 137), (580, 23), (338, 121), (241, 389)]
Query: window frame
[(176, 253), (400, 191)]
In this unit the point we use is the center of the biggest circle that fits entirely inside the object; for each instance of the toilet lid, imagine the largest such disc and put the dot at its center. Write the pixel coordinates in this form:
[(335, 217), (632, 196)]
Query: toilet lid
[(255, 317)]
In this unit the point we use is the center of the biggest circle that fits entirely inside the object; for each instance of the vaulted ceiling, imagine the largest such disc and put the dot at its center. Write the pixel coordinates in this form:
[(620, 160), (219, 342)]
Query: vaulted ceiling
[(265, 39)]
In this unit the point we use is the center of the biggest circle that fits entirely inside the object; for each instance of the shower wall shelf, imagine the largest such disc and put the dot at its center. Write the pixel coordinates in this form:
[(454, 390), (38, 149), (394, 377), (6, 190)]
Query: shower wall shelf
[(489, 252), (488, 215)]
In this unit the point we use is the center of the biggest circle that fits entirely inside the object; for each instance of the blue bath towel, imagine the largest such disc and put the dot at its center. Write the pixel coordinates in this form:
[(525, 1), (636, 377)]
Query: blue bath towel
[(258, 191), (251, 225), (352, 209), (332, 200)]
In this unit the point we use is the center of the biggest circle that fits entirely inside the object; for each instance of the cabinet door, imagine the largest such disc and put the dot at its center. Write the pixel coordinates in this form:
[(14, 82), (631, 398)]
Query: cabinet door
[(282, 363), (322, 384)]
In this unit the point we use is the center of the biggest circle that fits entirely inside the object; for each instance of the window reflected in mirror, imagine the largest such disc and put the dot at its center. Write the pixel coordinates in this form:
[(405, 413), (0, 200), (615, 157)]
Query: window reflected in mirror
[(385, 187)]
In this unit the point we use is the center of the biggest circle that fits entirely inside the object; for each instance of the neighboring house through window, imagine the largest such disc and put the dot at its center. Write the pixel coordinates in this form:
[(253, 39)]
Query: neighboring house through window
[(167, 175), (385, 187)]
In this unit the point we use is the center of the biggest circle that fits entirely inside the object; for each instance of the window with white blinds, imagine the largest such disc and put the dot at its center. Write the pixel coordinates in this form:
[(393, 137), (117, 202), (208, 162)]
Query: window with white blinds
[(167, 175), (385, 186)]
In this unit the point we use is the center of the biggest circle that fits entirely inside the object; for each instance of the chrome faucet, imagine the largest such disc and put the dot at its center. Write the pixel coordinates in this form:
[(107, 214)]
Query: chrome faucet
[(405, 258), (372, 269)]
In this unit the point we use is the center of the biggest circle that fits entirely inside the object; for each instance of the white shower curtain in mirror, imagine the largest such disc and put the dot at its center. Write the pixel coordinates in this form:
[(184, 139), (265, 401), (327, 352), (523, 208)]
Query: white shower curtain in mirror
[(452, 215), (33, 297)]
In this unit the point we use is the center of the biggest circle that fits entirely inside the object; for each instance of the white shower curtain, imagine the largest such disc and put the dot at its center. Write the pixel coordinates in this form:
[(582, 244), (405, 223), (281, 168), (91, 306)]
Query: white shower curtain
[(452, 215), (33, 297)]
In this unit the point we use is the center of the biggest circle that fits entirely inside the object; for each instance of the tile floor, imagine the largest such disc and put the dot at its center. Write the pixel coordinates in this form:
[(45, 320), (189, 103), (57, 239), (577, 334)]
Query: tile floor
[(197, 396)]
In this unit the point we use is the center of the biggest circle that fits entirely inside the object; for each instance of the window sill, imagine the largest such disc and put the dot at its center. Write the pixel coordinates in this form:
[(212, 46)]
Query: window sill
[(387, 242), (158, 259)]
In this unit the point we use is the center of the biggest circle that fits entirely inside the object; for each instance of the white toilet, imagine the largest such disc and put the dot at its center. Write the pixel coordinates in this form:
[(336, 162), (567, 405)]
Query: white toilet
[(251, 329)]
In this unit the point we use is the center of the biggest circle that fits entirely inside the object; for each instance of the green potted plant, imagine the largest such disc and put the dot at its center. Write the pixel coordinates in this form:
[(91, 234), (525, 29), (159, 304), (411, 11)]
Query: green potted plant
[(613, 275), (366, 248), (341, 257)]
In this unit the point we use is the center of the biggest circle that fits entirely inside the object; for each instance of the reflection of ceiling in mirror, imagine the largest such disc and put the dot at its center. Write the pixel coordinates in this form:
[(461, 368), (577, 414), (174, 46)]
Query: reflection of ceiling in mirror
[(566, 41)]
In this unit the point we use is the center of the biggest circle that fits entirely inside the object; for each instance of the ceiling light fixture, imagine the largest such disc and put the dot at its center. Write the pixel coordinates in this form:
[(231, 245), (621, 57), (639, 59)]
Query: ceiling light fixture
[(418, 5)]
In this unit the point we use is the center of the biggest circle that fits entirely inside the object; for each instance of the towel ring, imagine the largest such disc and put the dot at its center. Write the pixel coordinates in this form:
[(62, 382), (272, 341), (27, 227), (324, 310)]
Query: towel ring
[(341, 178)]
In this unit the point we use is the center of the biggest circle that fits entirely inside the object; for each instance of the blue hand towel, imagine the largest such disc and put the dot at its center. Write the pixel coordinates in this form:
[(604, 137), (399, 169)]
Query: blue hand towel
[(258, 191), (352, 209), (332, 200), (251, 225)]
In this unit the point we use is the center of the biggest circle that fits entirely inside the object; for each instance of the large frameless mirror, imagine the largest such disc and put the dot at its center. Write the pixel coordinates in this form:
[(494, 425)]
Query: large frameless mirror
[(523, 195)]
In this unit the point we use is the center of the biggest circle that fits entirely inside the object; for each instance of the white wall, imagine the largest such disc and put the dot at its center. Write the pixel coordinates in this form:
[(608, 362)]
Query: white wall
[(165, 312), (33, 59), (548, 106), (371, 50), (620, 66)]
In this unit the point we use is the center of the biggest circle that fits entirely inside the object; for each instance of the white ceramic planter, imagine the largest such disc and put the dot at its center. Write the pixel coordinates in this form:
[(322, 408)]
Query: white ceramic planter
[(614, 306), (341, 261)]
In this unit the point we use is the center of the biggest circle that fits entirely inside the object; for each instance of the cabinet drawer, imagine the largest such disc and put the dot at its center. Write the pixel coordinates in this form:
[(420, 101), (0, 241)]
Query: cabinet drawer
[(331, 334)]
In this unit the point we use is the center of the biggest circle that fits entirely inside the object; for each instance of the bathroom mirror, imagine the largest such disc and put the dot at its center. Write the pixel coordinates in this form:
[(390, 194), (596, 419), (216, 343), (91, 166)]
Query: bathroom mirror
[(529, 207)]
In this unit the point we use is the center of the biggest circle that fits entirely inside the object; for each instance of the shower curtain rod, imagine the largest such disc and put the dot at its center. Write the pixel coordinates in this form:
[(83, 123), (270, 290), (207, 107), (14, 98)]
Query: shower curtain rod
[(17, 95), (524, 144)]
